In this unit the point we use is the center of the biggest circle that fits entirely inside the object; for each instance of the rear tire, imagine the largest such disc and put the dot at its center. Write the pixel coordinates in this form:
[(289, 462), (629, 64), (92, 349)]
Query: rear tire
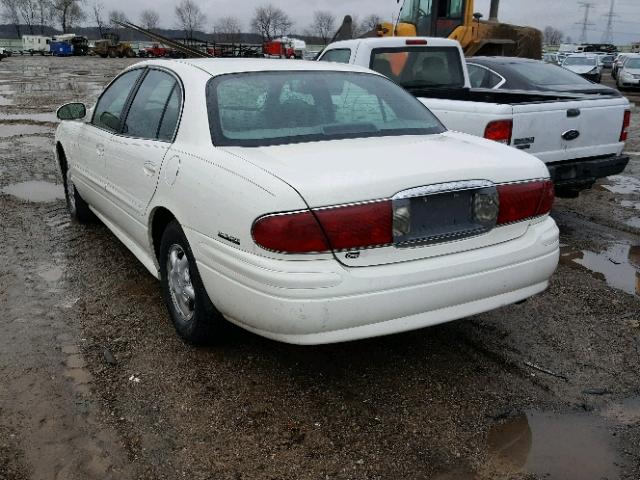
[(194, 317)]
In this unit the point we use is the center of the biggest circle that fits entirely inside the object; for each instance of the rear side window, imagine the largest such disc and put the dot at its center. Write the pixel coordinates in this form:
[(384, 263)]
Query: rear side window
[(421, 67), (108, 111), (342, 55), (150, 105), (481, 77)]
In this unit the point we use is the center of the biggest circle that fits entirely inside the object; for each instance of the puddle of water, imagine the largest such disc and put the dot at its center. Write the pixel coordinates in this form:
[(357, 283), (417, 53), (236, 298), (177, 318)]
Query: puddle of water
[(633, 222), (50, 274), (568, 447), (618, 265), (622, 184), (11, 130), (36, 117), (35, 191), (630, 204)]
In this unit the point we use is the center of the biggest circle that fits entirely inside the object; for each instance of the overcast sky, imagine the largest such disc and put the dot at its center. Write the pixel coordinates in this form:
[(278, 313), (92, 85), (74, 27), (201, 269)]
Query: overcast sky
[(562, 14)]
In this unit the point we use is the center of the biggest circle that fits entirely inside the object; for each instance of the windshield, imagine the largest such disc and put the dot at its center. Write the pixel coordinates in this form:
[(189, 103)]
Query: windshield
[(420, 67), (582, 61), (540, 73), (274, 108), (633, 63)]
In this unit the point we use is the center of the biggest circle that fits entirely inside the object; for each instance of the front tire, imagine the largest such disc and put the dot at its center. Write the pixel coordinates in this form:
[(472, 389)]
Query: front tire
[(78, 209), (194, 317)]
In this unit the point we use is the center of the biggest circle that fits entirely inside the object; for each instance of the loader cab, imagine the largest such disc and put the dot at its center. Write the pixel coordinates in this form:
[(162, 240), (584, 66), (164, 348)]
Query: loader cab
[(431, 18)]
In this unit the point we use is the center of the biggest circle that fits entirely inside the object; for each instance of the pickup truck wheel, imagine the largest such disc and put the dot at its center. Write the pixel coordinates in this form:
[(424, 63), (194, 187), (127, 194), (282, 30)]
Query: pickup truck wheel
[(78, 209), (194, 317)]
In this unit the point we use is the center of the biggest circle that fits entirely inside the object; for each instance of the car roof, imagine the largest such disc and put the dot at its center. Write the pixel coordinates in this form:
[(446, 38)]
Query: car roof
[(222, 66), (503, 60), (382, 42)]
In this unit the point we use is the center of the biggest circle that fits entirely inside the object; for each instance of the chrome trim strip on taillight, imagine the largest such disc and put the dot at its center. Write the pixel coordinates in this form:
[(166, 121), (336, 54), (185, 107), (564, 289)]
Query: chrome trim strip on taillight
[(442, 188)]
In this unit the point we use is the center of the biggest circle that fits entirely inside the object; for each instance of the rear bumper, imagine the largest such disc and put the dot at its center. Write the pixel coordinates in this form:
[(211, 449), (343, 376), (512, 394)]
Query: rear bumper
[(571, 177), (319, 302)]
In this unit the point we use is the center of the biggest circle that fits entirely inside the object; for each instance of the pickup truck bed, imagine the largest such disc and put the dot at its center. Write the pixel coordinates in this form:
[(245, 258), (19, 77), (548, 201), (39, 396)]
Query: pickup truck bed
[(579, 137)]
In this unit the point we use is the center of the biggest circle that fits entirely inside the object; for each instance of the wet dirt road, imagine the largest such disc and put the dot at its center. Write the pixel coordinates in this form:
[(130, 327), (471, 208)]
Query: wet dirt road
[(94, 384)]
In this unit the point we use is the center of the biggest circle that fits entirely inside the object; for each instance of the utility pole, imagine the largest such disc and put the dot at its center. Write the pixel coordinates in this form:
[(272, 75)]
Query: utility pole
[(607, 36), (585, 22), (493, 11)]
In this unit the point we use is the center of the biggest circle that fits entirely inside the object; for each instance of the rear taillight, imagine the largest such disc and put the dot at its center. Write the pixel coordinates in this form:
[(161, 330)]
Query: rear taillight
[(520, 201), (626, 122), (499, 131), (343, 228)]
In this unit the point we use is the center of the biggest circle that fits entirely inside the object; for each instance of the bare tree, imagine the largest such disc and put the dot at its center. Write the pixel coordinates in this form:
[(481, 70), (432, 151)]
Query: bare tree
[(44, 10), (149, 19), (28, 10), (552, 36), (370, 22), (117, 16), (96, 9), (10, 14), (189, 17), (324, 25), (271, 21), (228, 29), (67, 13)]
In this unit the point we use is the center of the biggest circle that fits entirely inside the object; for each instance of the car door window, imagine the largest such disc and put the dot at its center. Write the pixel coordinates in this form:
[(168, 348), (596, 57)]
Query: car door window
[(341, 55), (149, 105), (108, 111)]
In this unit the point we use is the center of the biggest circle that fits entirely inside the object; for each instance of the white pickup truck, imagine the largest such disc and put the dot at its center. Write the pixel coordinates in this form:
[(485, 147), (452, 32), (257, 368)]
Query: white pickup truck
[(579, 137)]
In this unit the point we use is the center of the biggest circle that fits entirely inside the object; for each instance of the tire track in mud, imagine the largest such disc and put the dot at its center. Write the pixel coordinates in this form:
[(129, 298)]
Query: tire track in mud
[(45, 387)]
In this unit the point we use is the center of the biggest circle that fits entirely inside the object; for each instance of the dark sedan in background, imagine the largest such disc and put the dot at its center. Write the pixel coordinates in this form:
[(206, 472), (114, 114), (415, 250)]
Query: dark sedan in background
[(510, 73)]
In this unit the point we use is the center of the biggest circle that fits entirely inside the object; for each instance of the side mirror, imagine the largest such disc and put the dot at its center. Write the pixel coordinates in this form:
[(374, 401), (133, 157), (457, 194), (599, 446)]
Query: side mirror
[(72, 111), (477, 16)]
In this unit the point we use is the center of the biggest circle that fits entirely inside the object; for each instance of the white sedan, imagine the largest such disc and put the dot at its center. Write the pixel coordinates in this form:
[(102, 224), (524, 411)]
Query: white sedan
[(307, 202)]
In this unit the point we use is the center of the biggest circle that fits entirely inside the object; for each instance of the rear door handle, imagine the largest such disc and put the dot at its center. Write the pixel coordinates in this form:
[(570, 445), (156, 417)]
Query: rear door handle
[(100, 149)]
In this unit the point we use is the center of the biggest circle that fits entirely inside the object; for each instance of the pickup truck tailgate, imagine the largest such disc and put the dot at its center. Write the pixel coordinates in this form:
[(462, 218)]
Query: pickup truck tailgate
[(559, 131)]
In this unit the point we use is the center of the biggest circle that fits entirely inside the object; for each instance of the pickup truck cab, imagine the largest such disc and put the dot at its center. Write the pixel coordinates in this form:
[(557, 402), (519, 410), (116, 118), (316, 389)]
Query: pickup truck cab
[(579, 137)]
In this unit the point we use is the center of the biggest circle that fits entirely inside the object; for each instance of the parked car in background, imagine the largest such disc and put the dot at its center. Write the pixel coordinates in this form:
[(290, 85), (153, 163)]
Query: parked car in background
[(511, 73), (580, 137), (629, 73), (550, 58), (587, 66), (617, 63), (307, 202), (607, 61)]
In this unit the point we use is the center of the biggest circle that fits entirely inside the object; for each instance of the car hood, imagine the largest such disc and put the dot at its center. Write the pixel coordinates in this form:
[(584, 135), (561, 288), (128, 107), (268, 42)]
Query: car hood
[(580, 69), (355, 170), (632, 71)]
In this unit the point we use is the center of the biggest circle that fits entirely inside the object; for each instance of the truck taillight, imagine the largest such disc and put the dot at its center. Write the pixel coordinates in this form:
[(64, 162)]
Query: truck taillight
[(520, 201), (338, 228), (499, 131), (626, 122)]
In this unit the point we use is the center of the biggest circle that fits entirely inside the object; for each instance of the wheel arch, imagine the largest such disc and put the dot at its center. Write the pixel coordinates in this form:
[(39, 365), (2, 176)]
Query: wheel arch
[(62, 161), (159, 218)]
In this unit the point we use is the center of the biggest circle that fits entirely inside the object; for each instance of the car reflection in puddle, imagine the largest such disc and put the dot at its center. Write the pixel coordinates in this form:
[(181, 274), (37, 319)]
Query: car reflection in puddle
[(618, 265)]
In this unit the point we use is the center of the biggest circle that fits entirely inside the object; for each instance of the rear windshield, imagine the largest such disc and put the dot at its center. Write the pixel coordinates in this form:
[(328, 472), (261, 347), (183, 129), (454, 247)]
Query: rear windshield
[(421, 67), (580, 61), (274, 108), (540, 73)]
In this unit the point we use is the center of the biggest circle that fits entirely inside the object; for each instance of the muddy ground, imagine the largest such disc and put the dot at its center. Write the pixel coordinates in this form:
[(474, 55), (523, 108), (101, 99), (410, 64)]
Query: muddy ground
[(94, 384)]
